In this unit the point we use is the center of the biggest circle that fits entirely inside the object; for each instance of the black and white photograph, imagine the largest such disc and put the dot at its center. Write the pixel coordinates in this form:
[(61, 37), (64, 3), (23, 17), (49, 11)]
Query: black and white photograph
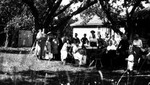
[(74, 42)]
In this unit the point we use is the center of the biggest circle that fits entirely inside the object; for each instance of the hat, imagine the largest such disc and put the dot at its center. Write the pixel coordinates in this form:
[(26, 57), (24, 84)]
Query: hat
[(92, 31)]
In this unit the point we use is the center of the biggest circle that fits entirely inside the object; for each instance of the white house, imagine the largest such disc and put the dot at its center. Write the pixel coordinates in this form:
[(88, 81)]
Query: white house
[(95, 24)]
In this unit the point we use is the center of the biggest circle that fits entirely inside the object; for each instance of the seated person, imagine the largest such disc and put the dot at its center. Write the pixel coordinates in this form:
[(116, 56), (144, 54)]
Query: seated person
[(79, 54), (111, 46)]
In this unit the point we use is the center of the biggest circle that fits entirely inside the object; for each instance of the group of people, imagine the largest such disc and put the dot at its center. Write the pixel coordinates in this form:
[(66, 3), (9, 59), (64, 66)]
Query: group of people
[(51, 46), (48, 46), (135, 52)]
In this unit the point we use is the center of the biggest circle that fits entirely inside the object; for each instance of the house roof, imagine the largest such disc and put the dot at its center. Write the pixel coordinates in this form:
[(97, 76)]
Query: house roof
[(95, 21)]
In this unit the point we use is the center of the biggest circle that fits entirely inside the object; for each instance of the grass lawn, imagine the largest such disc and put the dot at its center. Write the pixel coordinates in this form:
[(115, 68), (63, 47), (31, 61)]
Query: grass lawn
[(22, 62), (26, 69), (19, 68)]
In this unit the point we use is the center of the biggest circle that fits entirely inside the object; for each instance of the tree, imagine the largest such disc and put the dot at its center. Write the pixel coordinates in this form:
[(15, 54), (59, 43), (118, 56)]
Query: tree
[(20, 22), (113, 11), (46, 13), (9, 9), (95, 9)]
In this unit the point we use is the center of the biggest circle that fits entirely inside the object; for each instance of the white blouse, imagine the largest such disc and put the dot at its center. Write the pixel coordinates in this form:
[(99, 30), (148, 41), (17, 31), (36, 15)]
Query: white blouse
[(137, 43)]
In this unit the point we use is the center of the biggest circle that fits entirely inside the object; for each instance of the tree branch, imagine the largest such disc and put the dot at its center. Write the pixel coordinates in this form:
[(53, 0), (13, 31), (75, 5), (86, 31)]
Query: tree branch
[(33, 9), (51, 13), (82, 8), (107, 11), (134, 7), (62, 23), (34, 12), (64, 8), (50, 3)]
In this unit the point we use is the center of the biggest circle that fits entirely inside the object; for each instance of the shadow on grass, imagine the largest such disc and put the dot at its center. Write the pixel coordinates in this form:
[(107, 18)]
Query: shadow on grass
[(43, 77)]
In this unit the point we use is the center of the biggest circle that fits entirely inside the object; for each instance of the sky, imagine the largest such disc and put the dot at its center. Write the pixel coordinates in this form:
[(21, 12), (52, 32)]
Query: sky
[(74, 7), (64, 2)]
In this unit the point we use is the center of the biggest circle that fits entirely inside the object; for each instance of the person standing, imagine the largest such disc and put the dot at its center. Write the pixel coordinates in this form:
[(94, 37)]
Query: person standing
[(76, 39), (101, 42), (64, 51), (40, 44), (122, 49), (136, 48), (111, 54), (37, 45), (55, 44), (84, 41), (48, 49), (92, 39)]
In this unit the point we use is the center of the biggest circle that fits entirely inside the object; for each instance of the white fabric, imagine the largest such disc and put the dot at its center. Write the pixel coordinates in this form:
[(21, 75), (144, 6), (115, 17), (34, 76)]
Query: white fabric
[(91, 39), (39, 35), (48, 46), (130, 62), (64, 52), (37, 49), (78, 56), (48, 54), (137, 43), (112, 47)]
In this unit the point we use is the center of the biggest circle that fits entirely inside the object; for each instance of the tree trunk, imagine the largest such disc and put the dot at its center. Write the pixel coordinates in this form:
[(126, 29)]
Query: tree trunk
[(130, 28), (37, 24), (7, 40), (14, 39)]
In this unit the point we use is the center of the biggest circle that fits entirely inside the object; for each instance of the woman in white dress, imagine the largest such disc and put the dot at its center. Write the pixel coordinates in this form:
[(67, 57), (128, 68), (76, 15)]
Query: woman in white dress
[(64, 51)]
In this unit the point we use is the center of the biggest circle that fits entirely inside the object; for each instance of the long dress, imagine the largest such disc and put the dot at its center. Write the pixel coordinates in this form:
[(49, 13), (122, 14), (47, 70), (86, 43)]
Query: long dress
[(64, 52), (55, 44), (48, 50), (40, 45)]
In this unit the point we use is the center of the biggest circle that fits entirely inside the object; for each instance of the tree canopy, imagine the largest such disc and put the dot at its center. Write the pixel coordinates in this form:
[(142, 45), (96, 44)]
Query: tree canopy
[(48, 13), (53, 15), (120, 12), (38, 14)]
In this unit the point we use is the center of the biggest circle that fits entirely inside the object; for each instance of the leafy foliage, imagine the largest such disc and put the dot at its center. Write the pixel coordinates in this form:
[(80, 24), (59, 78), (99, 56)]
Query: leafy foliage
[(9, 9), (51, 14), (86, 15), (21, 22)]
